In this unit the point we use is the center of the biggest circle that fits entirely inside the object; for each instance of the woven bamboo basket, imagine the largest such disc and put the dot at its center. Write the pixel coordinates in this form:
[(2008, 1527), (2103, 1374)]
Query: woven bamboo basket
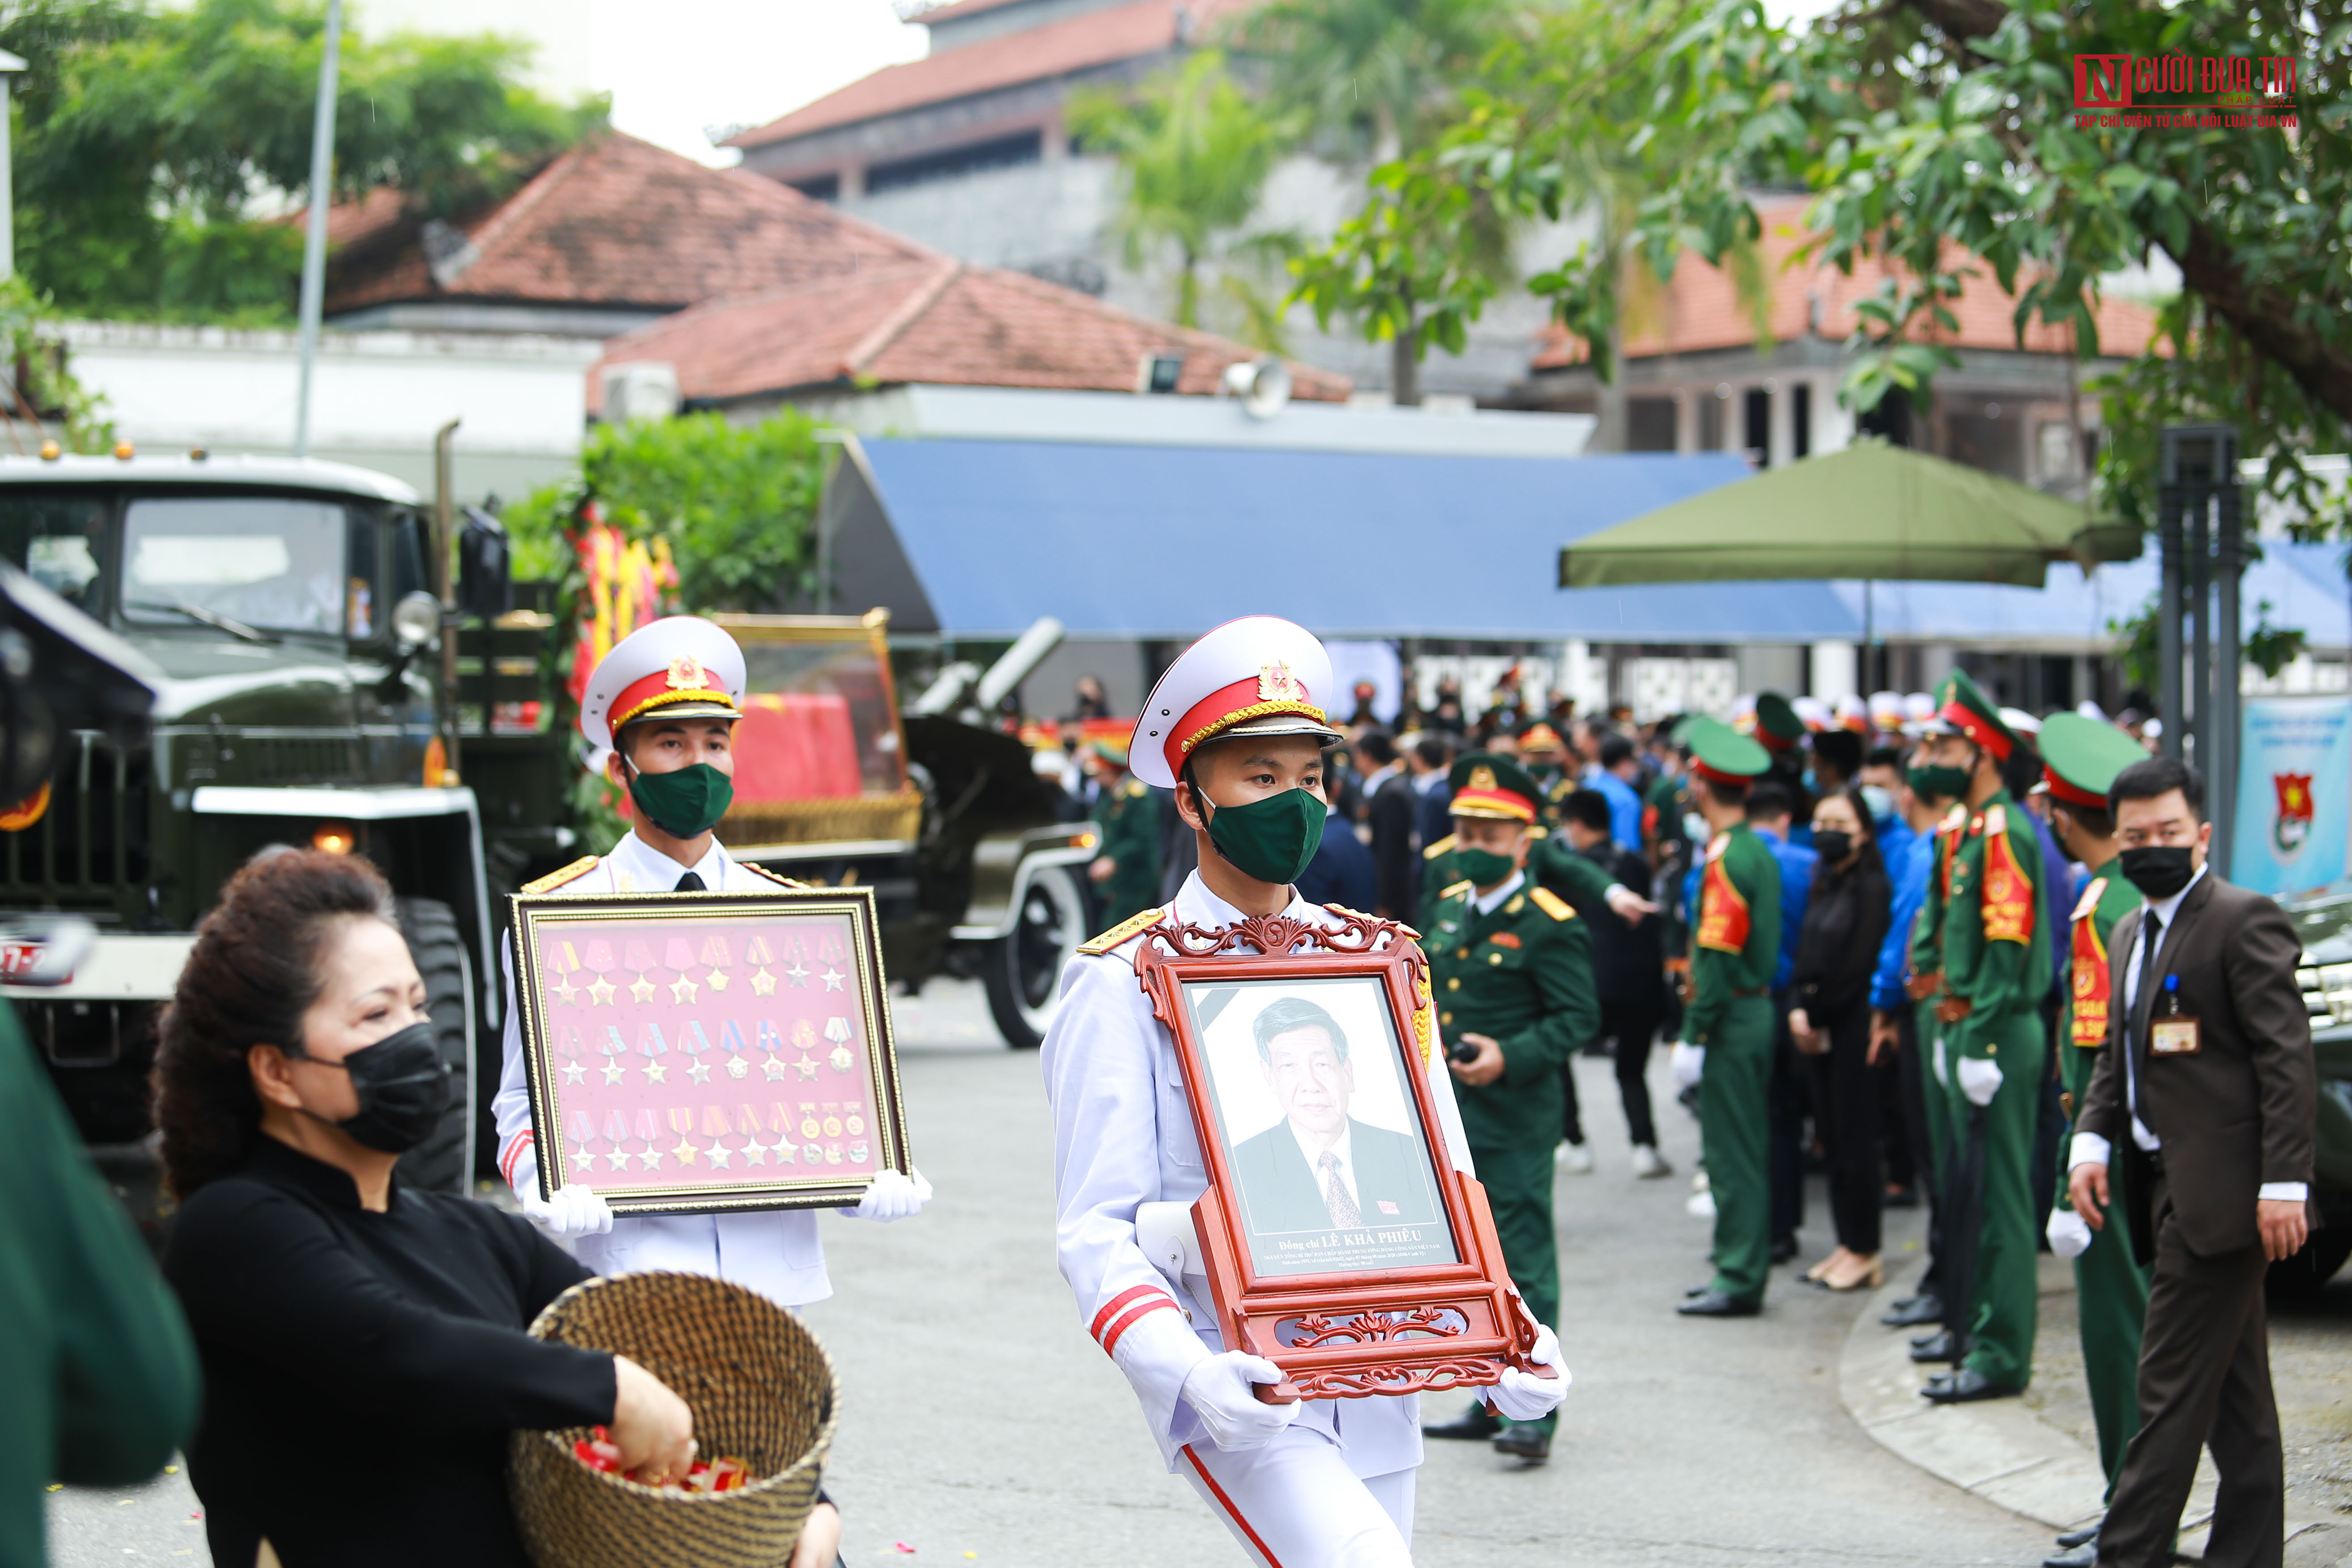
[(762, 1390)]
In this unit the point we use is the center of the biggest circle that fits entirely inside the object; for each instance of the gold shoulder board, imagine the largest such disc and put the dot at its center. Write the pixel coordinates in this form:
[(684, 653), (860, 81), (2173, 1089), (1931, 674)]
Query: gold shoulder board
[(1995, 819), (2090, 896), (1440, 847), (1120, 932), (1539, 831), (1552, 903), (1137, 789), (1461, 887), (554, 879), (759, 870)]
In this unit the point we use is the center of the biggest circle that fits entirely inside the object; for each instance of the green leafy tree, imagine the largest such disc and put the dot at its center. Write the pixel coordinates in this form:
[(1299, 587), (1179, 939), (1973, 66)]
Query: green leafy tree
[(1194, 152), (154, 143)]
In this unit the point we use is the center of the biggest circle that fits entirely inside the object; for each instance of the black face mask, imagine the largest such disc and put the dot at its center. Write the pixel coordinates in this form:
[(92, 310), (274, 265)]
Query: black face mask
[(2159, 871), (1832, 845), (403, 1089)]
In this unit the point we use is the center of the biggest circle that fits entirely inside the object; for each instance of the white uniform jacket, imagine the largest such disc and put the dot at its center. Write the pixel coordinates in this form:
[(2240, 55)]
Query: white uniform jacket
[(1123, 1137), (775, 1252)]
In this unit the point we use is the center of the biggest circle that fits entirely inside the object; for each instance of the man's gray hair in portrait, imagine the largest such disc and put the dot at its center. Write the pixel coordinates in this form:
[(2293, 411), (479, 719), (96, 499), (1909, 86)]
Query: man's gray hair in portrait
[(1297, 1012)]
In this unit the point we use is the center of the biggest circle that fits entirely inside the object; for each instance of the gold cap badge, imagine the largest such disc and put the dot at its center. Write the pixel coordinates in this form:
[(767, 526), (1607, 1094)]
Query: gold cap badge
[(1483, 780), (1277, 684), (686, 674)]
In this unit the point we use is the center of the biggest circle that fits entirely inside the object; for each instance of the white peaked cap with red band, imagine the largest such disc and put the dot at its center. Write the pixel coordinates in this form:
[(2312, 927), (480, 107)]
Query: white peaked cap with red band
[(681, 666), (1260, 674)]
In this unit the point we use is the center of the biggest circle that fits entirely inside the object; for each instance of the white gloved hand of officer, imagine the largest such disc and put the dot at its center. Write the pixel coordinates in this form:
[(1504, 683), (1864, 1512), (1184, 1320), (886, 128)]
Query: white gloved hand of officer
[(573, 1211), (1220, 1392), (1524, 1396), (892, 1196), (2069, 1236), (1942, 1075), (1688, 1063), (1979, 1079)]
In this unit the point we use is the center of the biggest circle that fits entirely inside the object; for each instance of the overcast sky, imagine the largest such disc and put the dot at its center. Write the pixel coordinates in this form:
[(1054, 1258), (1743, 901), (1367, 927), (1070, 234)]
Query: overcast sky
[(678, 68)]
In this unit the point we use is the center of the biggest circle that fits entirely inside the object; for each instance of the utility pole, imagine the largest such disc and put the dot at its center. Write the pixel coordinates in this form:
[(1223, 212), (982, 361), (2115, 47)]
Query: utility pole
[(314, 242), (2200, 533)]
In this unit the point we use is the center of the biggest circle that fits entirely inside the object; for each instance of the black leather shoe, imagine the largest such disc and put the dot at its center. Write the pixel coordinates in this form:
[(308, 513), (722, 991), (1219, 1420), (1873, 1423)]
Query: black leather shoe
[(1965, 1386), (2074, 1538), (1696, 1291), (1784, 1250), (1901, 1198), (1472, 1426), (1523, 1440), (1719, 1304), (1931, 1348), (2083, 1556), (1916, 1311)]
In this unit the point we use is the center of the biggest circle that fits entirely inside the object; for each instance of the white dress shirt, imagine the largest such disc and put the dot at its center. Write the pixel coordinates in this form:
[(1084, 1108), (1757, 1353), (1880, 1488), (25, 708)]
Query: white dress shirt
[(2089, 1148), (1485, 903), (1343, 1153)]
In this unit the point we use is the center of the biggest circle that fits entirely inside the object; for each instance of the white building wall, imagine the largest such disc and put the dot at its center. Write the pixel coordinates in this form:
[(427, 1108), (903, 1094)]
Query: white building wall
[(377, 398)]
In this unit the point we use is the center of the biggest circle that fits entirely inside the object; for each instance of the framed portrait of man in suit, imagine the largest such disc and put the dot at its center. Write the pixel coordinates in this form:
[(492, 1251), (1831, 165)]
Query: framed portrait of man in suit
[(1337, 1238)]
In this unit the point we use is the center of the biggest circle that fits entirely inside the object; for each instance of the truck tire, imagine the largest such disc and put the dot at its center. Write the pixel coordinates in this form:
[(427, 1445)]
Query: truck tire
[(1023, 970), (444, 1163)]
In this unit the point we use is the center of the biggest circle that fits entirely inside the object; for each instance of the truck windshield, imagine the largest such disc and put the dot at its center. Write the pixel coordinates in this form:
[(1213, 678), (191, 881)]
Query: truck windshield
[(270, 562)]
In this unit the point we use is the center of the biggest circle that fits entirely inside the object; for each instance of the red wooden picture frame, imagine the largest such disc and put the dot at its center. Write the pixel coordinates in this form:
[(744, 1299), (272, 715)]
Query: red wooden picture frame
[(1343, 1333)]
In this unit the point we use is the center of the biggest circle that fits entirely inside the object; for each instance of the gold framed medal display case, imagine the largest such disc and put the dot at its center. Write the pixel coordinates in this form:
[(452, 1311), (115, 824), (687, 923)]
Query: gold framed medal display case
[(1340, 1242), (693, 1052)]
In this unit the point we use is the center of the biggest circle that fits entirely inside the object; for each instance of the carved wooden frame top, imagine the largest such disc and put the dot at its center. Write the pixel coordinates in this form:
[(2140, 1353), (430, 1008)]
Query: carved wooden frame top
[(1347, 1333)]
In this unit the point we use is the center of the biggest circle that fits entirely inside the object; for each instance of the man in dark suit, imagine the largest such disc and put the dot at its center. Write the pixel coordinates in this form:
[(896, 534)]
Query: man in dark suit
[(2207, 1090), (1319, 1168), (1391, 800)]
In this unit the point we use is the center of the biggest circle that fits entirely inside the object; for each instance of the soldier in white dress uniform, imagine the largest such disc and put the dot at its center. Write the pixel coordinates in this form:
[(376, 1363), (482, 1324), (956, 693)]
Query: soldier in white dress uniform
[(1235, 729), (663, 705)]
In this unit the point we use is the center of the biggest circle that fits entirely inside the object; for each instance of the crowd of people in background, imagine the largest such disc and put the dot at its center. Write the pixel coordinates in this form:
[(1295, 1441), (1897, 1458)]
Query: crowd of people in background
[(1894, 986)]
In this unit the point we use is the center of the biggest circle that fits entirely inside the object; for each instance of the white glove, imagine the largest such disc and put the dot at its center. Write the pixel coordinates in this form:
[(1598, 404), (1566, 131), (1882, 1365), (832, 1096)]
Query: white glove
[(1979, 1079), (1220, 1391), (573, 1211), (1524, 1396), (892, 1196), (1688, 1063), (2069, 1236), (1941, 1075)]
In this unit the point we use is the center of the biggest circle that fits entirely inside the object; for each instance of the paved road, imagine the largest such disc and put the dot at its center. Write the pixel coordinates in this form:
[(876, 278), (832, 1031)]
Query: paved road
[(979, 1420)]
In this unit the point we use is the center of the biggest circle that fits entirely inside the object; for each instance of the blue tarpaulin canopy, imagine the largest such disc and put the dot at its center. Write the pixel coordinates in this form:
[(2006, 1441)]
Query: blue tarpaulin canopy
[(978, 539)]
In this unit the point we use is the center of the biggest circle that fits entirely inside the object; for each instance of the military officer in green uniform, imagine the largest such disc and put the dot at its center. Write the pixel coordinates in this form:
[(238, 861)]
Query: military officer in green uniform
[(1126, 874), (1552, 863), (1996, 970), (1545, 756), (1511, 968), (1735, 945), (2081, 758)]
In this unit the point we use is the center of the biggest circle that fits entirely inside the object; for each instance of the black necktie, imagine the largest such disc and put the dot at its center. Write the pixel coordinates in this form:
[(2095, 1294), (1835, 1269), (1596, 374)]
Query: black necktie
[(689, 883), (2143, 1004)]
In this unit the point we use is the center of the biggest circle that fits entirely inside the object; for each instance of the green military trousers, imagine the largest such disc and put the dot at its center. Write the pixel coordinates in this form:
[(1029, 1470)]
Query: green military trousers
[(2001, 1317), (2110, 1299), (1929, 1035), (1519, 1191), (1732, 1113)]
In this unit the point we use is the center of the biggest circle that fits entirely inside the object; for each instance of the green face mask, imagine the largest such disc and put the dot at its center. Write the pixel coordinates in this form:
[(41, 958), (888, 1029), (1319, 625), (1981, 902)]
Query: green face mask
[(1940, 781), (1484, 866), (687, 803), (1271, 839)]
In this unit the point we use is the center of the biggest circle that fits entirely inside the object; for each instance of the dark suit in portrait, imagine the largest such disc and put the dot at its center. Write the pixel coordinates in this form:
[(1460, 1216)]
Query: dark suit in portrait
[(1280, 1193)]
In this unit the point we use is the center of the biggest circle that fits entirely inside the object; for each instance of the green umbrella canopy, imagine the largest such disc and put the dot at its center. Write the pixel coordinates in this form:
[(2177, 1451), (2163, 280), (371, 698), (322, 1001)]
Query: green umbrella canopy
[(1872, 510)]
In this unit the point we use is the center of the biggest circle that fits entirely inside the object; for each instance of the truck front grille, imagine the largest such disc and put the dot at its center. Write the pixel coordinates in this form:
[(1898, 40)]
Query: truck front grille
[(88, 851)]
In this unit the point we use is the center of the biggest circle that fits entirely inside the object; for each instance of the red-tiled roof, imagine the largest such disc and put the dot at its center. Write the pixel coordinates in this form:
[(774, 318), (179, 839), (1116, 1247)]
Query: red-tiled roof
[(613, 221), (1033, 54), (1700, 310), (939, 321)]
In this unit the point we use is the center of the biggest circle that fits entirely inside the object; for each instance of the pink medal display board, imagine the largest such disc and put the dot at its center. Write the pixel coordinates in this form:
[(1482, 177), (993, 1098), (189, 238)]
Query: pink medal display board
[(703, 1051)]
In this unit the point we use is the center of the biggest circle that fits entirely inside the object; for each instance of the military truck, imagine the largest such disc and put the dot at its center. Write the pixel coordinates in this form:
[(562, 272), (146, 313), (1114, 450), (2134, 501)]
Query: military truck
[(292, 607), (2323, 921)]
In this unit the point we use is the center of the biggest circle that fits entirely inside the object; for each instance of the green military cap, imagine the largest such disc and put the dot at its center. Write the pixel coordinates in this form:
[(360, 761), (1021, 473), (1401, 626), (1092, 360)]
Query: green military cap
[(1110, 750), (2080, 757), (1721, 753), (1776, 724), (1963, 705), (1486, 783)]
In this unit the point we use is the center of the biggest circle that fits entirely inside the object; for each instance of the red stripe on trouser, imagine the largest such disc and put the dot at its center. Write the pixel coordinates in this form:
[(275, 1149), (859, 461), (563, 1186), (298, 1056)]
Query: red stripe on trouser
[(1118, 1303), (522, 1140), (1141, 1309), (1228, 1503)]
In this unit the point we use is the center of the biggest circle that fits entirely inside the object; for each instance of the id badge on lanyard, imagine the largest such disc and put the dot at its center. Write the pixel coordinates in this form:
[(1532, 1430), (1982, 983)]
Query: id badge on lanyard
[(2172, 1033)]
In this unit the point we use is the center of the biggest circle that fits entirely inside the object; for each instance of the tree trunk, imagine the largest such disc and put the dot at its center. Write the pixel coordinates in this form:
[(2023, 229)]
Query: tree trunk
[(1404, 368)]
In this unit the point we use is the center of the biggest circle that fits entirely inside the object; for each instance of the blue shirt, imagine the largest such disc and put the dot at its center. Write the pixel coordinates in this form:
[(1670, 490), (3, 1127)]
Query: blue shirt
[(1796, 863), (2057, 891), (1910, 875), (1894, 837), (1624, 809), (1342, 871)]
